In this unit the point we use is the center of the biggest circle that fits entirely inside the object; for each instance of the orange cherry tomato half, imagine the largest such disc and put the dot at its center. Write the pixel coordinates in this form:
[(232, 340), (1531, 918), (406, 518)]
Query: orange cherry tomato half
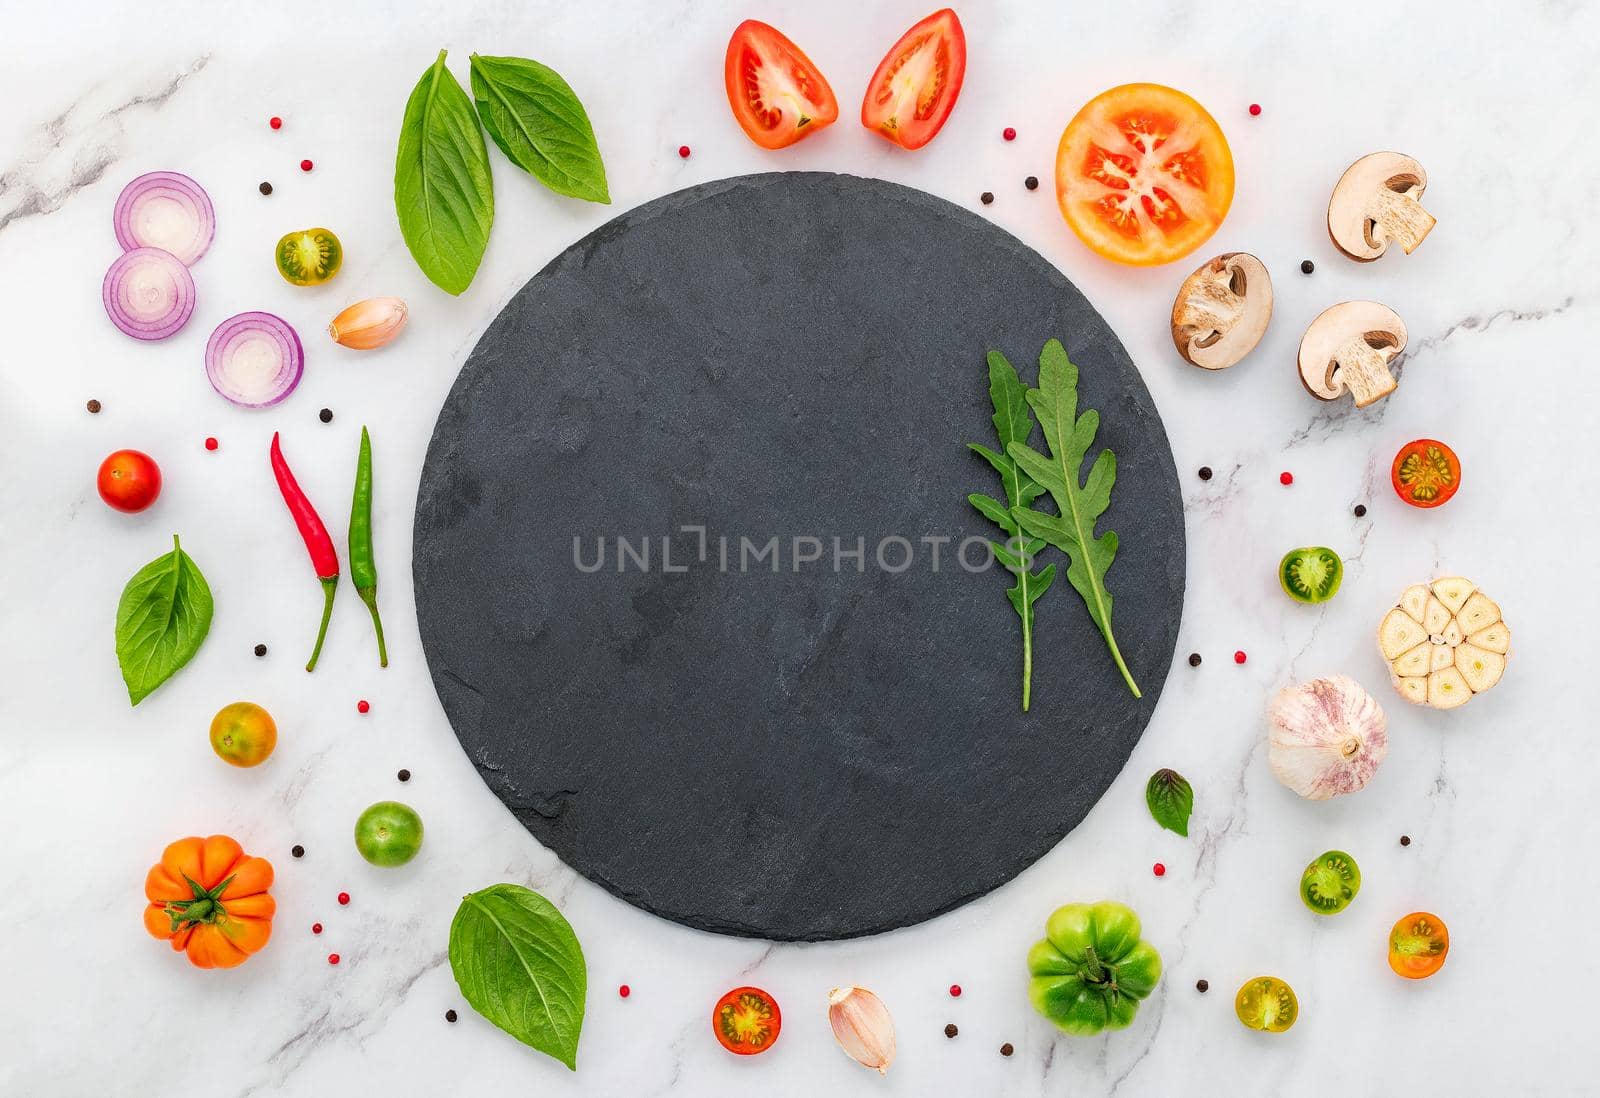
[(746, 1021), (1418, 945), (129, 480), (1426, 473), (917, 82), (777, 94), (1143, 174)]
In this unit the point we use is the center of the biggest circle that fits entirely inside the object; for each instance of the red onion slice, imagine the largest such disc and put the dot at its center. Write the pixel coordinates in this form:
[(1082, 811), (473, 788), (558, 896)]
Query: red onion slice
[(254, 359), (165, 210), (148, 293)]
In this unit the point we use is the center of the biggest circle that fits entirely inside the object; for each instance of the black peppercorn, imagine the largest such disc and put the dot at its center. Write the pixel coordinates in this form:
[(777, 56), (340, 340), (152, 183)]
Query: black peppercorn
[(1405, 840), (404, 775), (1361, 510), (266, 188), (94, 407), (1306, 266), (1032, 182), (1202, 986), (1006, 1049), (326, 415), (986, 197), (1194, 659), (1205, 472), (298, 851), (449, 1015), (950, 1030), (261, 650)]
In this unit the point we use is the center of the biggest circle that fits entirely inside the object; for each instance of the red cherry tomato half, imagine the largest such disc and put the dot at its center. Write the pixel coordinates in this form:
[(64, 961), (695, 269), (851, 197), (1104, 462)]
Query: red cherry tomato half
[(777, 94), (917, 82), (746, 1021), (129, 481), (1426, 473)]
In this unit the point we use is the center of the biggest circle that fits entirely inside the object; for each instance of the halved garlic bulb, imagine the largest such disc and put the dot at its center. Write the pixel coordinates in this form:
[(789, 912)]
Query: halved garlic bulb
[(1327, 737), (1444, 642)]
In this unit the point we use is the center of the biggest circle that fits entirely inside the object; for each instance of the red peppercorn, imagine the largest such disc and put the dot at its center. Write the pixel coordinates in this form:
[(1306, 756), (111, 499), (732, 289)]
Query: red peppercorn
[(344, 898), (275, 122), (211, 444), (305, 165), (955, 991), (683, 151), (363, 706), (1239, 657), (1255, 108), (316, 928), (1009, 133), (333, 958), (1159, 870), (1285, 477), (624, 991)]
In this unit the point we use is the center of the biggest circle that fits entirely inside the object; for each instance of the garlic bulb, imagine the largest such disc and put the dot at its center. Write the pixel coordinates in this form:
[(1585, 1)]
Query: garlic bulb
[(862, 1026), (1327, 737)]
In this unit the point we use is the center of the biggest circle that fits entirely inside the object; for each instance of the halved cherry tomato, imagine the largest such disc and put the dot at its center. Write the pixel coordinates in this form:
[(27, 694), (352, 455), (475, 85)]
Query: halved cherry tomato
[(917, 82), (1426, 473), (746, 1021), (1143, 174), (1418, 945), (777, 94)]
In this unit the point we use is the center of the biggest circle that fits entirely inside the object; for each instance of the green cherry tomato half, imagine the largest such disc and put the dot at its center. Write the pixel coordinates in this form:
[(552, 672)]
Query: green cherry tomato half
[(1090, 970), (1311, 573), (1266, 1003), (243, 734), (309, 257), (1330, 883), (389, 833)]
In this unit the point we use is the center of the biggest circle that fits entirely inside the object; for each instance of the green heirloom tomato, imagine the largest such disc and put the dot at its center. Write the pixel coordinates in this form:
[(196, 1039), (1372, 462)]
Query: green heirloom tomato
[(1090, 970)]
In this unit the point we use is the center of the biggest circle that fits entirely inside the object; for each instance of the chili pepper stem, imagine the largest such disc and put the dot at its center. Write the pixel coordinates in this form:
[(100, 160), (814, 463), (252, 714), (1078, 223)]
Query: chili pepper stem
[(369, 595), (328, 585)]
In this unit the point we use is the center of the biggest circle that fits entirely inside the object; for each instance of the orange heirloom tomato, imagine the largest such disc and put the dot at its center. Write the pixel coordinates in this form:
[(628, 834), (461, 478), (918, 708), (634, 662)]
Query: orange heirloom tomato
[(209, 899), (1418, 945), (1143, 174)]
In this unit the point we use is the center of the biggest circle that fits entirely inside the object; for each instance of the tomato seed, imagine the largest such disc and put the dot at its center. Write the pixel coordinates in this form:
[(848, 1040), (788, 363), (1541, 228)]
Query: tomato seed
[(333, 958), (275, 122), (298, 851), (1255, 108), (1009, 133), (683, 151), (950, 1030), (344, 898), (1006, 1049), (261, 650), (1306, 266), (265, 188), (449, 1015), (316, 928), (363, 706), (1194, 659), (94, 407), (1239, 657), (211, 444), (624, 991), (1361, 510), (404, 775), (1032, 182), (1202, 986), (955, 991), (1159, 870), (1285, 477), (1205, 472)]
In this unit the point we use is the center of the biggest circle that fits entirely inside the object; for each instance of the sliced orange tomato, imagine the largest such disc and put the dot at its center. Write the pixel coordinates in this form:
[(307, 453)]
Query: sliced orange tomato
[(1418, 945), (746, 1021), (1426, 473), (777, 94), (1143, 174), (209, 899), (917, 82)]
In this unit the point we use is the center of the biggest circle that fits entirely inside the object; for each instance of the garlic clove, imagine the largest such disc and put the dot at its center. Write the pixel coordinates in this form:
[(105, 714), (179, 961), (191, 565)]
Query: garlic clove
[(1496, 638), (1481, 668), (1448, 689), (1480, 612), (862, 1026), (1414, 689), (1441, 657), (1435, 617), (1452, 633), (1413, 600), (1399, 633), (1414, 661), (1453, 592), (369, 324)]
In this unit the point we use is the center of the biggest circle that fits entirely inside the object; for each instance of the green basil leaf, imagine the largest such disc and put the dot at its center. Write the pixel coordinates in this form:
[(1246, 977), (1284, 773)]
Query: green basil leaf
[(539, 124), (519, 964), (443, 191), (163, 615), (1171, 800)]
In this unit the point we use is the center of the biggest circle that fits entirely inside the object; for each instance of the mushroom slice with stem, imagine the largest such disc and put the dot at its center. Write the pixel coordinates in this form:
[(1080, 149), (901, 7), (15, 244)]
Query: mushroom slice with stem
[(1375, 202), (1222, 311), (1348, 348)]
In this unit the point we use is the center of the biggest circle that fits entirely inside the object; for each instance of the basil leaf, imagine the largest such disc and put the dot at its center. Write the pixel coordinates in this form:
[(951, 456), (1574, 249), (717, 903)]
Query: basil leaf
[(539, 124), (1171, 800), (443, 191), (163, 615), (519, 964)]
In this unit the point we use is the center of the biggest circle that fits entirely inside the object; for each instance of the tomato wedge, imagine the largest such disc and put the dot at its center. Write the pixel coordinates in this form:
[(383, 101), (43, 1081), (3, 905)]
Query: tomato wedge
[(746, 1021), (1143, 174), (1426, 473), (917, 82), (777, 94)]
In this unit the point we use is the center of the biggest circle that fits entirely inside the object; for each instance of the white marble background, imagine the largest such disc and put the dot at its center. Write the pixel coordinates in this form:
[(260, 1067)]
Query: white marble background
[(1496, 99)]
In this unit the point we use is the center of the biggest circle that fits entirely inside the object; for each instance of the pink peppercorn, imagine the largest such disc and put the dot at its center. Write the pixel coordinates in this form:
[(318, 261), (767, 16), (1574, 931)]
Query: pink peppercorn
[(211, 444), (683, 151), (316, 928), (1286, 477), (363, 706), (305, 165), (1239, 657), (1009, 133), (1255, 109), (955, 991), (624, 991), (275, 122), (1159, 870), (344, 898), (333, 958)]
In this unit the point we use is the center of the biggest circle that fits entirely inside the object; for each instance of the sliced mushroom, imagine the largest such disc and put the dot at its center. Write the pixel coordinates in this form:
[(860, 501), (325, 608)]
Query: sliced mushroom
[(1222, 311), (1376, 201), (1348, 348)]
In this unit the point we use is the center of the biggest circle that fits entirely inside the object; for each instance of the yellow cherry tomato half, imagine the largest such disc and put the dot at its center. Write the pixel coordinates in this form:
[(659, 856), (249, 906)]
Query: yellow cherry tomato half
[(1143, 174), (1266, 1003), (1418, 945), (243, 734), (309, 257)]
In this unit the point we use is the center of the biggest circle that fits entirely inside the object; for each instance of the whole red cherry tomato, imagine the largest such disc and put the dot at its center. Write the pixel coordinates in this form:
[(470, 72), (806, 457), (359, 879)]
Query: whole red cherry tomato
[(129, 481)]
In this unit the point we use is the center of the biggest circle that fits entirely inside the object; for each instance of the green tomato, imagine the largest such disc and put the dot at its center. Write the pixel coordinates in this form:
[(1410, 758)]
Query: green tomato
[(309, 257), (389, 833), (1090, 970)]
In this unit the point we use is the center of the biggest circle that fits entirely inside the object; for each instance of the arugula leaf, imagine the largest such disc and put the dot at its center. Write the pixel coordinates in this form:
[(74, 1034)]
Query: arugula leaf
[(540, 124), (1171, 800), (162, 617), (1013, 424), (1069, 436), (443, 190), (519, 964)]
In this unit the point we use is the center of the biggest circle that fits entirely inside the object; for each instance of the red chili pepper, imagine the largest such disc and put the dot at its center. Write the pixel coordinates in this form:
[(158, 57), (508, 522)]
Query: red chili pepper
[(315, 535)]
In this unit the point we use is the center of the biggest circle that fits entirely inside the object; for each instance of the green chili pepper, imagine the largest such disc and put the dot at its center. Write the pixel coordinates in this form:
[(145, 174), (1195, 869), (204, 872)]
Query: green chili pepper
[(363, 568)]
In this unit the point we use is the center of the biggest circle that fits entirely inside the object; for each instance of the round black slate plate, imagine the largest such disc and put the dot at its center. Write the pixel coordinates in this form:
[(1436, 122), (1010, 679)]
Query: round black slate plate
[(801, 754)]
